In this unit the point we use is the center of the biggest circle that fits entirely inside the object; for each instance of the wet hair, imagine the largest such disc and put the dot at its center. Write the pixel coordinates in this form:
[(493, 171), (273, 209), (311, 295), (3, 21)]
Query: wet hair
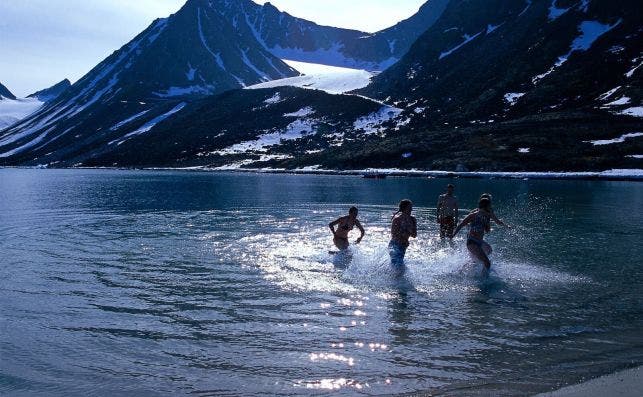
[(450, 186), (484, 203), (404, 204), (486, 195), (353, 209)]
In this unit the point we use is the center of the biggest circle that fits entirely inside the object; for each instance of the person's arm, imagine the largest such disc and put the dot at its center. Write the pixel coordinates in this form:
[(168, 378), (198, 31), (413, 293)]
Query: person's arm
[(414, 227), (498, 221), (333, 224), (464, 223), (361, 230), (395, 227), (457, 212), (438, 208)]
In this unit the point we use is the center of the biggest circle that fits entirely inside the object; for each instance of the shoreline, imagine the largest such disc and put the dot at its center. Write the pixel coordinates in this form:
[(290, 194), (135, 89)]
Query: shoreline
[(625, 175), (624, 383)]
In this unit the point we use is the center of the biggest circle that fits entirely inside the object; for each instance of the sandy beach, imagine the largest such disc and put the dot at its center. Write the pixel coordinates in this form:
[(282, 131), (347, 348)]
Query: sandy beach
[(624, 384)]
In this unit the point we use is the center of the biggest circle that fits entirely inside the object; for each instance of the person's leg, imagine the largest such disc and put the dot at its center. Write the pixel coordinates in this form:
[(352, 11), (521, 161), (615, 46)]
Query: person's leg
[(449, 227), (487, 248), (478, 253), (397, 252), (442, 228), (341, 243)]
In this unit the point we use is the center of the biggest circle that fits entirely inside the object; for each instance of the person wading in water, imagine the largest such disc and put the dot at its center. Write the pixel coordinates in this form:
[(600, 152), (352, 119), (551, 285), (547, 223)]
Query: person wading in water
[(480, 223), (344, 225), (447, 212), (403, 227)]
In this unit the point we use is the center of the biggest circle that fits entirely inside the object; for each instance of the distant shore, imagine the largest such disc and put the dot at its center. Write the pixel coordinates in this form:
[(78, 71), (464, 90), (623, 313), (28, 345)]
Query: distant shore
[(628, 383), (609, 175)]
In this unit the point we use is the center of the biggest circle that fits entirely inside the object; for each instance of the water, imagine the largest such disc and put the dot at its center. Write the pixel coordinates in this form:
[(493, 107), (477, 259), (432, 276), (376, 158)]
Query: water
[(174, 283)]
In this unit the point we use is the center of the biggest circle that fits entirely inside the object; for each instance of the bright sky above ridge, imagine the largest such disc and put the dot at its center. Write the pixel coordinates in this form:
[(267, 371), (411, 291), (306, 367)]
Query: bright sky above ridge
[(45, 41)]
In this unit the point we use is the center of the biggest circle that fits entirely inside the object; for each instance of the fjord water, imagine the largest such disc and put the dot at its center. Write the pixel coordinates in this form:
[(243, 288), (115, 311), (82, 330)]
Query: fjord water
[(179, 283)]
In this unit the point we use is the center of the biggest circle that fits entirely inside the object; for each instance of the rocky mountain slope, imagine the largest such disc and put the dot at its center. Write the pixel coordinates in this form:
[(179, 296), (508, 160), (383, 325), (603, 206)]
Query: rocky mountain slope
[(52, 93), (5, 93)]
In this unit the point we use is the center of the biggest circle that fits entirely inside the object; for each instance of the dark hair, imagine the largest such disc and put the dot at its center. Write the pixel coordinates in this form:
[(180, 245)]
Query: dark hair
[(450, 186), (486, 195), (404, 204), (484, 203), (353, 209)]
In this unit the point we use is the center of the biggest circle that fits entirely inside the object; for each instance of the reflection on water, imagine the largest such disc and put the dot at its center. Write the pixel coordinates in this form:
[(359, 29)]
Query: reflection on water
[(177, 283)]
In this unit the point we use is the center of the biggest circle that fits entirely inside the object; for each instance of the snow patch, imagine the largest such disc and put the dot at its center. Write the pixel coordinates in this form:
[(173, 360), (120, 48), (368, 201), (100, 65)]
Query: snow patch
[(307, 111), (295, 130), (555, 12), (150, 124), (182, 91), (590, 31), (636, 111), (620, 139), (630, 73), (331, 56), (526, 8), (620, 101), (129, 120), (331, 79), (373, 122), (524, 150), (467, 38), (512, 97), (273, 99), (608, 94)]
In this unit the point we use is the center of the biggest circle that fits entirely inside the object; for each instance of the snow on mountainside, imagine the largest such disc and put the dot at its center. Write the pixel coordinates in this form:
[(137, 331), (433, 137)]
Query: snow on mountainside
[(332, 79), (300, 40), (197, 51), (14, 110)]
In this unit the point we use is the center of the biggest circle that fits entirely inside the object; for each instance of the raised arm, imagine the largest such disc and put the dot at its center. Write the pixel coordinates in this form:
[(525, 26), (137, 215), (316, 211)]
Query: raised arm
[(464, 223), (361, 230)]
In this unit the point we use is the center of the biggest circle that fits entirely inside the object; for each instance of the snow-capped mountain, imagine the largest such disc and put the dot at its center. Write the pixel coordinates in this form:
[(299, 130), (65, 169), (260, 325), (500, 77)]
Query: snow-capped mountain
[(5, 93), (196, 52), (297, 39), (51, 93)]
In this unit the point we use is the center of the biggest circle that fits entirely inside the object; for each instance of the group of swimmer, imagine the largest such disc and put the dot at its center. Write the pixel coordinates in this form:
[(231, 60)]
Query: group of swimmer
[(404, 227)]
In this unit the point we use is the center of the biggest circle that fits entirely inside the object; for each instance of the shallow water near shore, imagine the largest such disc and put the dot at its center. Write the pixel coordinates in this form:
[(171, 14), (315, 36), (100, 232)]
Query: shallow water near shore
[(180, 283)]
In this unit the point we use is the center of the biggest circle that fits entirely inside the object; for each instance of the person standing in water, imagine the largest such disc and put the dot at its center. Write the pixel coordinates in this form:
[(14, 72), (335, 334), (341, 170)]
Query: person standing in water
[(344, 225), (403, 227), (447, 212), (480, 221)]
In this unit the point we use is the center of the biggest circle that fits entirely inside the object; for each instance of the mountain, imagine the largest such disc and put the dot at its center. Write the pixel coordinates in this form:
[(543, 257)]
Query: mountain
[(297, 39), (51, 93), (243, 127), (207, 47), (5, 93), (503, 59), (196, 52)]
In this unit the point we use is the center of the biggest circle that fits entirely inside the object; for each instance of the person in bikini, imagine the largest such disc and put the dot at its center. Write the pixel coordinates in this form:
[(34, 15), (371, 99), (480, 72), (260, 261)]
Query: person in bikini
[(480, 223), (447, 212), (403, 227), (344, 225)]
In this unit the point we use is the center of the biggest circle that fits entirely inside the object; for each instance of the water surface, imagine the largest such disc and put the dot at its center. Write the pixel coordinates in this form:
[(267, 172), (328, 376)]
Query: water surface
[(176, 283)]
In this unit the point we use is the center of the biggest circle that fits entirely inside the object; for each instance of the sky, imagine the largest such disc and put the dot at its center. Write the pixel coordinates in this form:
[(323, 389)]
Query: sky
[(45, 41)]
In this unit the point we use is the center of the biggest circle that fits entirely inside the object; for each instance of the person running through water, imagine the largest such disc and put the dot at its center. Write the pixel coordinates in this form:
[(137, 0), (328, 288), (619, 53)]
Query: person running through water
[(480, 221), (403, 227), (447, 212), (344, 225)]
